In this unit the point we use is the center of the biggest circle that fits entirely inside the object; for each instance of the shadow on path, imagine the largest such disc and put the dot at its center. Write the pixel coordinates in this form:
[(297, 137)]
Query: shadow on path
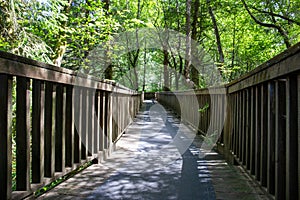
[(158, 158), (161, 176)]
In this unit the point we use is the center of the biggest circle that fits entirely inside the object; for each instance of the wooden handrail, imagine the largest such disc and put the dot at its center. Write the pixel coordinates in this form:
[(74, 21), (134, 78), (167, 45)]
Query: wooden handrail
[(257, 118), (63, 119)]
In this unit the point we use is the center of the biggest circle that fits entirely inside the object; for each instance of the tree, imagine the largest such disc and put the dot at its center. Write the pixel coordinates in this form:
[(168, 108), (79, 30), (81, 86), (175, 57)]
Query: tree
[(217, 35), (194, 70)]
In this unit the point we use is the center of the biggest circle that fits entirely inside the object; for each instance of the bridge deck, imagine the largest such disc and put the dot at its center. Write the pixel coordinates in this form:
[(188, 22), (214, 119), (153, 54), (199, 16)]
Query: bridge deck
[(159, 158)]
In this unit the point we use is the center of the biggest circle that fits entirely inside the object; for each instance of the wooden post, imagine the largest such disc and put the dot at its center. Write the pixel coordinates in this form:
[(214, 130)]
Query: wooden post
[(240, 130), (23, 135), (247, 131), (271, 139), (102, 118), (49, 152), (298, 136), (252, 130), (292, 137), (243, 133), (264, 135), (233, 121), (106, 119), (90, 121), (84, 127), (5, 136), (258, 120), (280, 139), (96, 120), (77, 124), (38, 114), (60, 129), (70, 105)]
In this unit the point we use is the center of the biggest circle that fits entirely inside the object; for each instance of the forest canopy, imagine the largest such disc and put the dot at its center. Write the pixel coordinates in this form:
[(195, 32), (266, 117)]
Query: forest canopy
[(84, 35)]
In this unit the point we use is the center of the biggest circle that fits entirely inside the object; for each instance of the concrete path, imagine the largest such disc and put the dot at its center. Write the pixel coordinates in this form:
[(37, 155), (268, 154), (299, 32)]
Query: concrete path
[(158, 158)]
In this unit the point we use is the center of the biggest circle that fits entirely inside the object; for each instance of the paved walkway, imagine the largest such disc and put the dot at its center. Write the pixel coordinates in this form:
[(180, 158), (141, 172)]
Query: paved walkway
[(158, 158)]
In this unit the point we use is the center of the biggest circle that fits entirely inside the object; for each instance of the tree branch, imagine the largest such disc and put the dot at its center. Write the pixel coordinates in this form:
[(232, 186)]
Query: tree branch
[(278, 28), (276, 15)]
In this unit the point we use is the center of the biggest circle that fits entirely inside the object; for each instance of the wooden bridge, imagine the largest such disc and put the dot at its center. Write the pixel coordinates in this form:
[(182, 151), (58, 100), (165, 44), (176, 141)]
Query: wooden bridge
[(64, 119)]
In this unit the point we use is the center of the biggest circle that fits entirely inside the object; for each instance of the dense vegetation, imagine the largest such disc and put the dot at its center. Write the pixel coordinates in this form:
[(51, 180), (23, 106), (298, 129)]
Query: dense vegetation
[(237, 36)]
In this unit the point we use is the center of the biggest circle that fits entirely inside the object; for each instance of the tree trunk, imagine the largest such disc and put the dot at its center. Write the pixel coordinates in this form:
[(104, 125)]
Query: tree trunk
[(217, 35), (166, 71), (108, 71), (194, 71), (188, 42), (61, 44), (145, 64)]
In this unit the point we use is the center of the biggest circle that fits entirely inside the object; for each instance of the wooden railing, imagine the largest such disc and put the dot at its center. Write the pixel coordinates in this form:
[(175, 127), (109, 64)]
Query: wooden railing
[(61, 120), (261, 115)]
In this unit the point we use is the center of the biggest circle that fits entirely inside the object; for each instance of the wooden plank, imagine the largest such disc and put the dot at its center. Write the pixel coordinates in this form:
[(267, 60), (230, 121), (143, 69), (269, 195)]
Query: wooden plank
[(292, 126), (258, 121), (272, 69), (239, 143), (244, 127), (90, 122), (96, 120), (5, 136), (38, 92), (235, 125), (280, 139), (252, 130), (23, 135), (110, 120), (264, 135), (106, 120), (84, 127), (234, 117), (102, 118), (59, 132), (271, 139), (18, 66), (70, 106), (77, 116), (49, 129), (298, 132), (247, 131)]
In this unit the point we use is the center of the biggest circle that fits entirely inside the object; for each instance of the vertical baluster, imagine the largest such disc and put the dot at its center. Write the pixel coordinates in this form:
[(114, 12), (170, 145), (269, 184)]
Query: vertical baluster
[(83, 131), (264, 135), (245, 127), (90, 122), (60, 129), (23, 134), (102, 118), (96, 121), (235, 118), (252, 130), (110, 120), (257, 130), (78, 124), (271, 139), (5, 136), (49, 130), (280, 139), (298, 136), (38, 94), (69, 126), (292, 137), (239, 121), (241, 128), (106, 119)]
